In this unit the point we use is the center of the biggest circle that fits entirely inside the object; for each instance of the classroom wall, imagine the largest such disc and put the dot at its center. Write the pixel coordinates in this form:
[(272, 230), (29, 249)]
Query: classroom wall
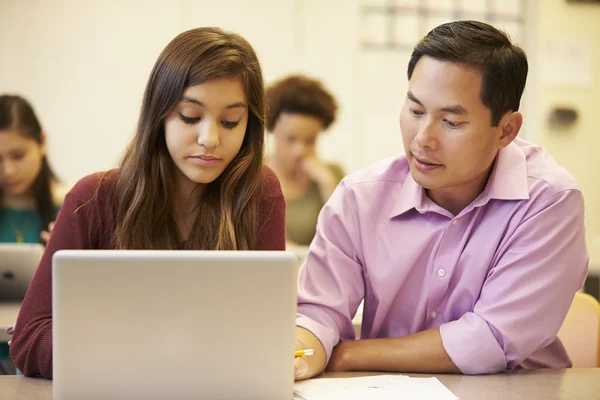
[(84, 65), (575, 148)]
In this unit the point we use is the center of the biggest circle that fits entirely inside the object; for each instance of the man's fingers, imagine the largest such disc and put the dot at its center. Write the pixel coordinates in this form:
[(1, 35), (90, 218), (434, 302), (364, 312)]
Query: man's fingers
[(300, 367)]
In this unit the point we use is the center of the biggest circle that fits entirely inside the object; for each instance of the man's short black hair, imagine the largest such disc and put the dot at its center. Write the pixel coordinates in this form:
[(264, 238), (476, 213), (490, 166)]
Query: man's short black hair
[(502, 64)]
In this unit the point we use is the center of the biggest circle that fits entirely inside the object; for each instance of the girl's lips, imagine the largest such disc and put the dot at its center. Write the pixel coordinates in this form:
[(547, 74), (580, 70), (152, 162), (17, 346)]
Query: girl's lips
[(206, 161)]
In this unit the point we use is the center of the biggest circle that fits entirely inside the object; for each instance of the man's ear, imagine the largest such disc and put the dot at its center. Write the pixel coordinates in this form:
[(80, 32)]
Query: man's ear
[(511, 125)]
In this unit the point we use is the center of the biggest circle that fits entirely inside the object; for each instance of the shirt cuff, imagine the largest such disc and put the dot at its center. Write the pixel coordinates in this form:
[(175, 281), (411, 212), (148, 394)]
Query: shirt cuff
[(326, 335), (472, 346)]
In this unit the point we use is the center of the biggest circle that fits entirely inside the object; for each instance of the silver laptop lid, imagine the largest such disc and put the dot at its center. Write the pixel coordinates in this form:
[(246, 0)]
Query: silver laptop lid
[(173, 324), (18, 263)]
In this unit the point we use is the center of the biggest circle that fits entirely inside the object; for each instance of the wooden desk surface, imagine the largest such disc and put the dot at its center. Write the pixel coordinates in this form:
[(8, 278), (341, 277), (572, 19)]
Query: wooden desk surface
[(569, 384), (8, 317)]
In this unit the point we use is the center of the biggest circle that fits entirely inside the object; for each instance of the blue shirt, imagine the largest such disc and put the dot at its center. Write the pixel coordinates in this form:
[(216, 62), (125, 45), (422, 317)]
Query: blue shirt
[(27, 222)]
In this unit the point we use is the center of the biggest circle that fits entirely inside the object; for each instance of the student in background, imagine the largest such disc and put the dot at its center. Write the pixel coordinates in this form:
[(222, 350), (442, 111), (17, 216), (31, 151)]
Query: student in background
[(299, 109), (192, 177), (30, 194), (468, 250)]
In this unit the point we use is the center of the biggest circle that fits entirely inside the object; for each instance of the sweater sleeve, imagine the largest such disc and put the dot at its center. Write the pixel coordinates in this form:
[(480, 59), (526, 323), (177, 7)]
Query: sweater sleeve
[(31, 345), (272, 214)]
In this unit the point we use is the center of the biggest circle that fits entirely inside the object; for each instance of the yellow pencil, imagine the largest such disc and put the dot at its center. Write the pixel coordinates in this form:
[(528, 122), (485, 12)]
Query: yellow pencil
[(302, 353)]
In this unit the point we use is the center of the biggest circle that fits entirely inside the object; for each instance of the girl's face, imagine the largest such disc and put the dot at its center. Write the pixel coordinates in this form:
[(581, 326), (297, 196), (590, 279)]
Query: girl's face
[(295, 138), (206, 130), (20, 162)]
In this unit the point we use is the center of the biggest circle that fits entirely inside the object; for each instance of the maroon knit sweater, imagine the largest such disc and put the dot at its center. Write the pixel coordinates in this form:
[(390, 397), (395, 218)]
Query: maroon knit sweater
[(91, 227)]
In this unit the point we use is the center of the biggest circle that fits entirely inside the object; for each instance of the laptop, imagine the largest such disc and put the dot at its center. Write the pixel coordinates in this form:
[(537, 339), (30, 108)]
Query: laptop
[(18, 263), (173, 324)]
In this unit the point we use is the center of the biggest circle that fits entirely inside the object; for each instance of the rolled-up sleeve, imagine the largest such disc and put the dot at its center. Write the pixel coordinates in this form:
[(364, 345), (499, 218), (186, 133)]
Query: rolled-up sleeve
[(527, 292), (330, 283)]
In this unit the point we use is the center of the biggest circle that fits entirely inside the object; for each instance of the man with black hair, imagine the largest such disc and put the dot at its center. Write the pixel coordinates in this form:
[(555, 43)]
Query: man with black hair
[(467, 250)]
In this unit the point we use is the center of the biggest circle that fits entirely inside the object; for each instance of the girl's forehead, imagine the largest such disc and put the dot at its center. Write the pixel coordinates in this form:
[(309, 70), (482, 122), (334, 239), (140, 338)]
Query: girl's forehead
[(14, 138)]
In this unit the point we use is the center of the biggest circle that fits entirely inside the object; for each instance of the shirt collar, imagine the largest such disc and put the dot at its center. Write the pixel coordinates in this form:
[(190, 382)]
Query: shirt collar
[(507, 181), (410, 196)]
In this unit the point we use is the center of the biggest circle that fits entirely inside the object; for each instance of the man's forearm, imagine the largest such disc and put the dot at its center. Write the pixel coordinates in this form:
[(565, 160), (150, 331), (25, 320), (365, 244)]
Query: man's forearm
[(419, 352)]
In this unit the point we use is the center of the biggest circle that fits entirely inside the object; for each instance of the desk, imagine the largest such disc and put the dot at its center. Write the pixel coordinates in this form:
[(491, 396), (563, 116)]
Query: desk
[(569, 384), (8, 317), (13, 387), (546, 384)]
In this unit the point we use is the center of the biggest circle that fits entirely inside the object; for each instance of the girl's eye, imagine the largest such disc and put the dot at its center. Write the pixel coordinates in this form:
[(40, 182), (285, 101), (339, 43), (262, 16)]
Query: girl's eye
[(188, 120), (230, 124)]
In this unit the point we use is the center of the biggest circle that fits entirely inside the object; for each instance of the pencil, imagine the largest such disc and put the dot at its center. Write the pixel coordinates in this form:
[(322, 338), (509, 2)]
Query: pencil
[(302, 353)]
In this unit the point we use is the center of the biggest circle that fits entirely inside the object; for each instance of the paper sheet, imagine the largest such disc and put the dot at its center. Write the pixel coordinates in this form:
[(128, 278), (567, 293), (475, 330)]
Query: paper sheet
[(379, 387)]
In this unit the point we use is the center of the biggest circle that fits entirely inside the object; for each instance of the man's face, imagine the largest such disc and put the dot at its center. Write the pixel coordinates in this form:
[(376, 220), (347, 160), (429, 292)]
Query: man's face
[(446, 129)]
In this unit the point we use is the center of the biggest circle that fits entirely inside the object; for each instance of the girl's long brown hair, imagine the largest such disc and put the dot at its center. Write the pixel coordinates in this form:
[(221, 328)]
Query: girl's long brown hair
[(16, 113), (227, 216)]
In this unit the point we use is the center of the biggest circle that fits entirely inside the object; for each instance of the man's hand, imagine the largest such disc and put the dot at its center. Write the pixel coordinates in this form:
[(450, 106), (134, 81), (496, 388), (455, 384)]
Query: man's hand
[(308, 366), (300, 363)]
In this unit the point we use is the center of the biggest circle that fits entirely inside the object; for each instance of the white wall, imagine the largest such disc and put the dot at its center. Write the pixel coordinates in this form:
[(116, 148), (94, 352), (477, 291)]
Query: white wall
[(575, 148), (84, 65)]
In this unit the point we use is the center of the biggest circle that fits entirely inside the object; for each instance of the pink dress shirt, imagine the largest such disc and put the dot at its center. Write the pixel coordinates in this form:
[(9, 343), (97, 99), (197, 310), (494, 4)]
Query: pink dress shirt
[(498, 278)]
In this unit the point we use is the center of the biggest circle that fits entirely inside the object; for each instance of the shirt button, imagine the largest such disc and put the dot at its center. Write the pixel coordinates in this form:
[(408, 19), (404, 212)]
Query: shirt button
[(454, 221), (441, 272), (434, 314)]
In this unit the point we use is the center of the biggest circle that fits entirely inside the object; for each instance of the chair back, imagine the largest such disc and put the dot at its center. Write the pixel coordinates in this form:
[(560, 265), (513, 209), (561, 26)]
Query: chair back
[(580, 332)]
